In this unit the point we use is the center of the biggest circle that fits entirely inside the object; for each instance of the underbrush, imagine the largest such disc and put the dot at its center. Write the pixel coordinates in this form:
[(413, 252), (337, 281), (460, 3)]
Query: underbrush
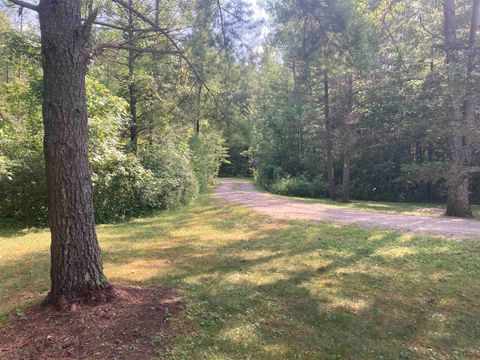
[(299, 186), (165, 174)]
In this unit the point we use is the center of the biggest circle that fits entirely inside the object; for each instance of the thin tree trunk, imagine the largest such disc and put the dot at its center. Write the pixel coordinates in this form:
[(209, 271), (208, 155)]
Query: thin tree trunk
[(348, 141), (329, 139), (157, 12), (458, 183), (76, 260), (199, 110), (156, 65), (346, 167), (132, 87)]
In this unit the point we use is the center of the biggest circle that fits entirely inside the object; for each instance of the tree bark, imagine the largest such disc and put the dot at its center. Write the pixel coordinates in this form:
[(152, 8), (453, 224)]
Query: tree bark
[(329, 137), (76, 260), (132, 87), (157, 12), (348, 140), (196, 125), (458, 203), (470, 95)]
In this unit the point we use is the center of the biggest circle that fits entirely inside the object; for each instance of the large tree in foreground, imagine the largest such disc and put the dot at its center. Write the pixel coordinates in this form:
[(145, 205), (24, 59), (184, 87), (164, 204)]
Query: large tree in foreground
[(76, 267), (76, 260)]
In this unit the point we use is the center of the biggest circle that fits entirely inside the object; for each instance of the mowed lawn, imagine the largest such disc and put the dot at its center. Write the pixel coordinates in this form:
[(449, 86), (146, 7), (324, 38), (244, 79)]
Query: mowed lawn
[(262, 289)]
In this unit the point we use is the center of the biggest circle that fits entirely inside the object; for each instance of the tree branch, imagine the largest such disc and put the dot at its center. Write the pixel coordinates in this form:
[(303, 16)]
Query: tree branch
[(222, 22), (112, 45), (152, 23), (112, 26), (87, 25), (25, 4), (434, 36)]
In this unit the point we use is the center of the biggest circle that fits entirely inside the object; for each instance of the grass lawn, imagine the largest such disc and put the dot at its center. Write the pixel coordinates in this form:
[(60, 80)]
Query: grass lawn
[(418, 209), (262, 289)]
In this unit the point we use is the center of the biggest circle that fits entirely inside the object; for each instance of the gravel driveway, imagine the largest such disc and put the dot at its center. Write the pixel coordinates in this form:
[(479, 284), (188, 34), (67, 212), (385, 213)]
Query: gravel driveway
[(244, 193)]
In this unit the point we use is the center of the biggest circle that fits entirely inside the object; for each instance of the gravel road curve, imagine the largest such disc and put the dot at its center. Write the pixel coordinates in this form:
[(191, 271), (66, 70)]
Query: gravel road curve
[(244, 193)]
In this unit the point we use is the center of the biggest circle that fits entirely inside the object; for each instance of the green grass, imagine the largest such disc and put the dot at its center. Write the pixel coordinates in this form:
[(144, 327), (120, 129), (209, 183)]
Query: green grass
[(262, 289), (407, 208)]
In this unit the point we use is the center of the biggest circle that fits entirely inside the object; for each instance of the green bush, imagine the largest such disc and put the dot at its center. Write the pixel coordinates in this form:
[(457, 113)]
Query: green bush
[(123, 188), (123, 185), (208, 153), (320, 187), (170, 164), (267, 175), (294, 186), (299, 186), (23, 190)]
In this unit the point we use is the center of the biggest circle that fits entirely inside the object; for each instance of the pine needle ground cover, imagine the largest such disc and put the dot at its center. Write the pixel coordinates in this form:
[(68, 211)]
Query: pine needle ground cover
[(263, 289)]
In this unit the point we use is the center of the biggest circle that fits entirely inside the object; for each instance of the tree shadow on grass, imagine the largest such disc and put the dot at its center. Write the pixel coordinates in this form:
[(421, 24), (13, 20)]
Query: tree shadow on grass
[(359, 302), (265, 289)]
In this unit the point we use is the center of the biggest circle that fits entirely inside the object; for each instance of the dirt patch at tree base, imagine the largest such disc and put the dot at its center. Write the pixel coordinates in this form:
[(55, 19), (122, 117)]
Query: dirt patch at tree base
[(135, 325)]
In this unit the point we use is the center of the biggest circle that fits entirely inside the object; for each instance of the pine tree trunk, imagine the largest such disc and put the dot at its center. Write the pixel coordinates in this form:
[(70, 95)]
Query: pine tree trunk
[(196, 125), (346, 170), (76, 260), (471, 90), (132, 87), (329, 138), (458, 203), (348, 140)]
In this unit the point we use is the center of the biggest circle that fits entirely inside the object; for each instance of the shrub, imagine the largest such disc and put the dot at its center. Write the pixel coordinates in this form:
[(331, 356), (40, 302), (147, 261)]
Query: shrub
[(122, 188), (23, 190), (170, 164), (320, 187), (208, 153), (267, 175), (164, 176), (300, 186), (293, 186)]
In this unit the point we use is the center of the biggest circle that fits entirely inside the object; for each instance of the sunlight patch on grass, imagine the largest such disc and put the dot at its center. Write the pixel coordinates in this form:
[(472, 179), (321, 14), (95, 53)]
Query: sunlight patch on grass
[(136, 271), (264, 289), (243, 334), (351, 305), (396, 252), (257, 278), (275, 351)]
